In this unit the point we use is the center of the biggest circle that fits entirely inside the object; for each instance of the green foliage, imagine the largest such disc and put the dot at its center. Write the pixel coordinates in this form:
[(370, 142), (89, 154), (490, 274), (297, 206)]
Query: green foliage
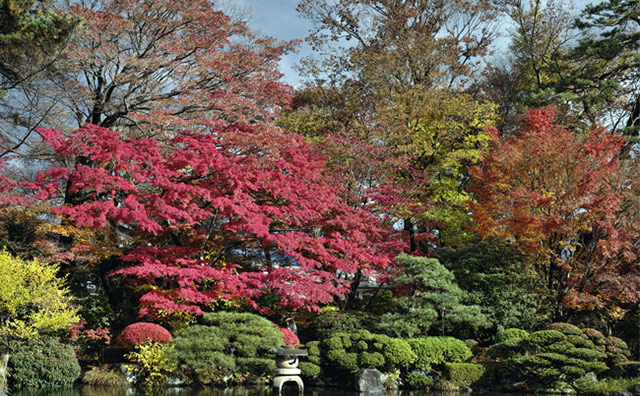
[(398, 353), (435, 351), (40, 362), (419, 380), (566, 328), (550, 357), (33, 300), (154, 363), (228, 347), (310, 370), (609, 386), (501, 281), (354, 351), (464, 374), (511, 334), (30, 36), (433, 292), (327, 323)]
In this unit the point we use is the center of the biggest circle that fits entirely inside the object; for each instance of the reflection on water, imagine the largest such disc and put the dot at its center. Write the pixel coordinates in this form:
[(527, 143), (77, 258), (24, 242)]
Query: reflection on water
[(289, 390)]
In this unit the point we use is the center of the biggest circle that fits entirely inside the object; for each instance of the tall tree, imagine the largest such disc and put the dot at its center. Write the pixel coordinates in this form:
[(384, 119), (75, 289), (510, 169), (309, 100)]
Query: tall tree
[(147, 67), (32, 34), (407, 69), (564, 201)]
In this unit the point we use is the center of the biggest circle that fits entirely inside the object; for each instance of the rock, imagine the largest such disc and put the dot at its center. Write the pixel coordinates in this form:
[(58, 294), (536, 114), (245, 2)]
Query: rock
[(465, 389), (626, 370), (621, 393), (130, 372), (369, 381), (585, 381), (176, 381)]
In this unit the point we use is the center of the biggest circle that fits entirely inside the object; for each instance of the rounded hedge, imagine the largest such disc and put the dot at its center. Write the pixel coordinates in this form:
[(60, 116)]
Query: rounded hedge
[(510, 334), (40, 362), (435, 351), (142, 332)]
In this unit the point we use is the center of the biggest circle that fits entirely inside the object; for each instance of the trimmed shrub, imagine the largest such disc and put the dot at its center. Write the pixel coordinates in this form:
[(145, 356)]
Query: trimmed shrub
[(289, 337), (464, 374), (419, 380), (510, 334), (351, 352), (435, 351), (154, 365), (41, 362), (142, 332), (566, 328), (328, 323), (228, 348), (559, 355), (545, 337), (310, 370), (398, 354)]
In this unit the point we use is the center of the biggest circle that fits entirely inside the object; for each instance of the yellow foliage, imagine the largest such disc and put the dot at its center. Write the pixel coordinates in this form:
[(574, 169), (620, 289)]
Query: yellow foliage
[(32, 299)]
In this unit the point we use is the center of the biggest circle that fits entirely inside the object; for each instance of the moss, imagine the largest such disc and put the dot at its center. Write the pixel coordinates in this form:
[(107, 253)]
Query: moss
[(464, 374)]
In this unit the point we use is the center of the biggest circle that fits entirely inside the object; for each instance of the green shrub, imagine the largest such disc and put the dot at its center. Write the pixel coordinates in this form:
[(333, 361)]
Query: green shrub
[(608, 386), (545, 337), (595, 336), (419, 380), (328, 323), (398, 354), (371, 360), (363, 349), (565, 328), (464, 374), (310, 370), (553, 356), (435, 351), (510, 334), (229, 347), (41, 362), (343, 359)]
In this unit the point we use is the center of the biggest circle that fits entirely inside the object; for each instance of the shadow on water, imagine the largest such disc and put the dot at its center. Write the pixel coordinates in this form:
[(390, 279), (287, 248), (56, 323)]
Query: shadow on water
[(288, 391)]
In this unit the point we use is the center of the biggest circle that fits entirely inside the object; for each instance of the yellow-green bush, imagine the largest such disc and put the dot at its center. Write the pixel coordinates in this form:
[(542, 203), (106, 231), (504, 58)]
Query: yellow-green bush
[(32, 299), (154, 362), (464, 374)]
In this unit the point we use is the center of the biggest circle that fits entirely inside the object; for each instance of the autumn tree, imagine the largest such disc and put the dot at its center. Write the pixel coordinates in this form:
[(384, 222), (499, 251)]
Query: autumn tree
[(229, 214), (406, 72), (149, 68), (565, 202)]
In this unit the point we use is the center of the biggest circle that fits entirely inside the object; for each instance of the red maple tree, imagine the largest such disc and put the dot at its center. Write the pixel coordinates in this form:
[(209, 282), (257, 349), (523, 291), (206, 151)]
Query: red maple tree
[(567, 203), (227, 214)]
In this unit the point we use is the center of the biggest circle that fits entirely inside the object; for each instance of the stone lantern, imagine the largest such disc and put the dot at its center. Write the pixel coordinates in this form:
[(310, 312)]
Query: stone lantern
[(287, 368)]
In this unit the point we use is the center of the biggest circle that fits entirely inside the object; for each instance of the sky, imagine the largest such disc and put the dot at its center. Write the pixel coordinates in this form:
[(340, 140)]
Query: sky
[(279, 19)]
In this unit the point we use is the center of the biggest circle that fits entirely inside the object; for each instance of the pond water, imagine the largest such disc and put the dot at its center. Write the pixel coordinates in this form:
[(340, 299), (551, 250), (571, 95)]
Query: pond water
[(103, 391)]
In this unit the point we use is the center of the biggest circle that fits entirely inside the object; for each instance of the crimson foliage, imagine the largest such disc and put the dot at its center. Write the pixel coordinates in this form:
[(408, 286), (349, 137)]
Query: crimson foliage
[(227, 214), (141, 332)]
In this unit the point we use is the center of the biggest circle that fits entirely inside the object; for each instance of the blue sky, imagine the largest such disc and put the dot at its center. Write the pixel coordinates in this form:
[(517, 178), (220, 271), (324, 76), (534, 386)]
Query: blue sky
[(279, 19)]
